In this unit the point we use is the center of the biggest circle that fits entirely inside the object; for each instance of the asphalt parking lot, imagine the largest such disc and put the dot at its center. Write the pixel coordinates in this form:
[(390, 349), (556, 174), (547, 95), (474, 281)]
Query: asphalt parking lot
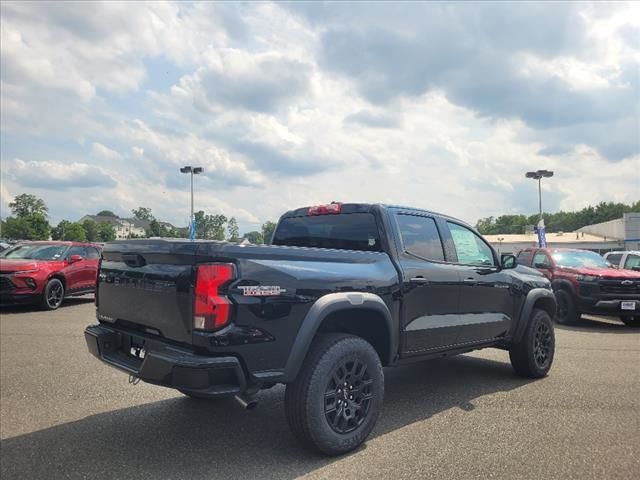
[(65, 415)]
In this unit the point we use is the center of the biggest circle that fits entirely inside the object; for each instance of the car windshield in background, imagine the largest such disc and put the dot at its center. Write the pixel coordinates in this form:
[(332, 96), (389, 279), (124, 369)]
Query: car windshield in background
[(350, 231), (579, 259), (36, 252)]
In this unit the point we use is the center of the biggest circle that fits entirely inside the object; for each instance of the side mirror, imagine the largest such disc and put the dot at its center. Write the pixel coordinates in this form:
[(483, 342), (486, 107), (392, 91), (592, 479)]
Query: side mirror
[(75, 258), (508, 261), (544, 266)]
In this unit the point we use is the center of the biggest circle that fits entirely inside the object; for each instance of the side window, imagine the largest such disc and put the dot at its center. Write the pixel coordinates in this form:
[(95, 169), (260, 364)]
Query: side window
[(92, 253), (541, 258), (471, 249), (77, 251), (633, 262), (420, 237), (524, 258), (615, 258)]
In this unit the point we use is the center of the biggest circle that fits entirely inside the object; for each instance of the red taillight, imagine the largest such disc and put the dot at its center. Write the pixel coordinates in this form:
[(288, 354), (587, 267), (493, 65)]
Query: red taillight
[(331, 208), (210, 309)]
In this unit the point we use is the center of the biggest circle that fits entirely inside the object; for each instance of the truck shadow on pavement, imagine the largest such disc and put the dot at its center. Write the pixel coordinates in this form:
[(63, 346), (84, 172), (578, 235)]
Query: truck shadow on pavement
[(186, 438)]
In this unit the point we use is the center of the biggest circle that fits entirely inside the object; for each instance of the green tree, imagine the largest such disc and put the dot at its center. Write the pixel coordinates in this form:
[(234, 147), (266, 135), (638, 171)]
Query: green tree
[(30, 227), (90, 230), (234, 231), (210, 227), (57, 232), (254, 237), (158, 229), (73, 232), (106, 232), (143, 213), (268, 228), (18, 229), (25, 205), (557, 222), (106, 213)]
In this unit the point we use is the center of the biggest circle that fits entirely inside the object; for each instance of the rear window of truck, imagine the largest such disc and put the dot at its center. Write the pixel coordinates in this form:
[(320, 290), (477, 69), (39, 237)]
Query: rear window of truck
[(347, 231)]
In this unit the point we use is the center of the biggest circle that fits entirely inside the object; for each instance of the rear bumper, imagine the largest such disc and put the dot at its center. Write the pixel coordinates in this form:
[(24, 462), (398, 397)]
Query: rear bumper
[(165, 364)]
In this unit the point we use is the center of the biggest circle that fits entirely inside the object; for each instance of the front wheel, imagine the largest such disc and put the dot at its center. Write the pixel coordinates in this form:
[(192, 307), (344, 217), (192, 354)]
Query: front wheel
[(53, 294), (631, 320), (334, 403), (533, 355), (567, 313)]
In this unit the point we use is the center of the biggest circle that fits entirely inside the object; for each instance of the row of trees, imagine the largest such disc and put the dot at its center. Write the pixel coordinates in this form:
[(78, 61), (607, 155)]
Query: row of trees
[(29, 221), (556, 222)]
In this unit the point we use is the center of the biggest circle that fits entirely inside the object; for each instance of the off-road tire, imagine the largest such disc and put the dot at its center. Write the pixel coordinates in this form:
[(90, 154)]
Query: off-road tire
[(532, 357), (309, 399), (53, 294), (568, 313)]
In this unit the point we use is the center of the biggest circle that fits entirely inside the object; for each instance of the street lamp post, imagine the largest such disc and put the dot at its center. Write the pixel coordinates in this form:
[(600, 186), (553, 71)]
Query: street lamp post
[(538, 175), (193, 171)]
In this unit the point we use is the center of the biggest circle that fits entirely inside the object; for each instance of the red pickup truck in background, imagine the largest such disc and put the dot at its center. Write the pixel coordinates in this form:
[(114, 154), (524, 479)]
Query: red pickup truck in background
[(47, 272), (584, 282)]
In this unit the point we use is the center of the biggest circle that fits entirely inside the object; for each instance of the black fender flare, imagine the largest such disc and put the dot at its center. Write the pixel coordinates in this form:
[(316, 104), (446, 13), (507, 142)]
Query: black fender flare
[(325, 306), (533, 296)]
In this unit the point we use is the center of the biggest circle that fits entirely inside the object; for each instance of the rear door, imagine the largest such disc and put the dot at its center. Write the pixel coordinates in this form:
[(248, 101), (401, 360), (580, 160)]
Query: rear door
[(429, 285), (487, 305)]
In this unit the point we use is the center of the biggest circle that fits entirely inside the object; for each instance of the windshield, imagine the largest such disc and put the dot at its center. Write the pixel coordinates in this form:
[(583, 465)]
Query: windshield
[(578, 259), (36, 252)]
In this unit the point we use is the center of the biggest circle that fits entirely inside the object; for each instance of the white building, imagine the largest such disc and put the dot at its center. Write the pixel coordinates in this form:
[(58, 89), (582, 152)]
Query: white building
[(626, 229), (620, 234), (125, 227)]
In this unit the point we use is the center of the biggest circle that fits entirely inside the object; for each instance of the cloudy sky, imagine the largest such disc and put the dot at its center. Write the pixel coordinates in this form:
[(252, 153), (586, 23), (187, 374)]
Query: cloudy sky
[(442, 106)]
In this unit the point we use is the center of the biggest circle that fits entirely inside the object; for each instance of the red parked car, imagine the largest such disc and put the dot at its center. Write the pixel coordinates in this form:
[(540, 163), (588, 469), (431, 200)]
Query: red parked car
[(584, 282), (47, 272)]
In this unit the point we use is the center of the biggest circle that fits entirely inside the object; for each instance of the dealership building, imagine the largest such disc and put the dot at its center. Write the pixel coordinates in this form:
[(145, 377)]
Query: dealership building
[(619, 234)]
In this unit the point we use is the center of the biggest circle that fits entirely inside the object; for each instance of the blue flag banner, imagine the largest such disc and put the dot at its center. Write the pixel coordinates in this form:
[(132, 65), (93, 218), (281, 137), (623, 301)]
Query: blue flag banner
[(542, 239), (192, 230)]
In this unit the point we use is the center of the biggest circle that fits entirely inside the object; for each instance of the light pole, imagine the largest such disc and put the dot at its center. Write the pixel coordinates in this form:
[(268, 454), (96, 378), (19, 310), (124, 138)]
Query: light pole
[(193, 171), (538, 175)]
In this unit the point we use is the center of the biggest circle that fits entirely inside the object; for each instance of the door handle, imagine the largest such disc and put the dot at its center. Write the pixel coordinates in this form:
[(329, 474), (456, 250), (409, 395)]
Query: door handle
[(419, 279), (470, 280)]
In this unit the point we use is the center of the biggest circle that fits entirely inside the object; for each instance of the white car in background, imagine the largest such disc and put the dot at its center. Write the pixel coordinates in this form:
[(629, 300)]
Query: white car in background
[(628, 260)]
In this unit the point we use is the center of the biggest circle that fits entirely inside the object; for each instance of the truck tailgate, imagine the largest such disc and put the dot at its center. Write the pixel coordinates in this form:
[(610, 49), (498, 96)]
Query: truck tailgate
[(148, 285)]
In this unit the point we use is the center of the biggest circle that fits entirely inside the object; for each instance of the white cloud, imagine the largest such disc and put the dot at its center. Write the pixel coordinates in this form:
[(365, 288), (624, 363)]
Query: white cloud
[(103, 152), (250, 93)]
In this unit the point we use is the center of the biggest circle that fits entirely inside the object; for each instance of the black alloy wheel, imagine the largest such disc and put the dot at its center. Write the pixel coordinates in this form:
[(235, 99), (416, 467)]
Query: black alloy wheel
[(348, 396), (542, 345), (53, 294)]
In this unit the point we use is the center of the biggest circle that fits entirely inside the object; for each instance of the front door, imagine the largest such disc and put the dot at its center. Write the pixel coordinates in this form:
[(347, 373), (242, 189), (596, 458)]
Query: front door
[(487, 301), (430, 286)]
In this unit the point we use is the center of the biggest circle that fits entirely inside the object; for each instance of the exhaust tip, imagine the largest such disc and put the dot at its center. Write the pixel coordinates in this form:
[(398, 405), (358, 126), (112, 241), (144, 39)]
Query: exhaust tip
[(248, 403)]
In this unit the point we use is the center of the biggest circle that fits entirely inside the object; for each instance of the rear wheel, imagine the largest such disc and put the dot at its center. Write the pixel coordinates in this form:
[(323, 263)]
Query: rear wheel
[(334, 403), (567, 313), (533, 355), (631, 320), (53, 294)]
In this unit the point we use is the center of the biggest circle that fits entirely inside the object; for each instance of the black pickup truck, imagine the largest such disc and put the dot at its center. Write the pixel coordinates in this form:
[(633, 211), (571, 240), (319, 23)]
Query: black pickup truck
[(342, 291)]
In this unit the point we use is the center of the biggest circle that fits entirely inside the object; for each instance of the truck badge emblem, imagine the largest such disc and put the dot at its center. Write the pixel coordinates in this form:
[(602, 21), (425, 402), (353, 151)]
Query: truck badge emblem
[(262, 291)]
